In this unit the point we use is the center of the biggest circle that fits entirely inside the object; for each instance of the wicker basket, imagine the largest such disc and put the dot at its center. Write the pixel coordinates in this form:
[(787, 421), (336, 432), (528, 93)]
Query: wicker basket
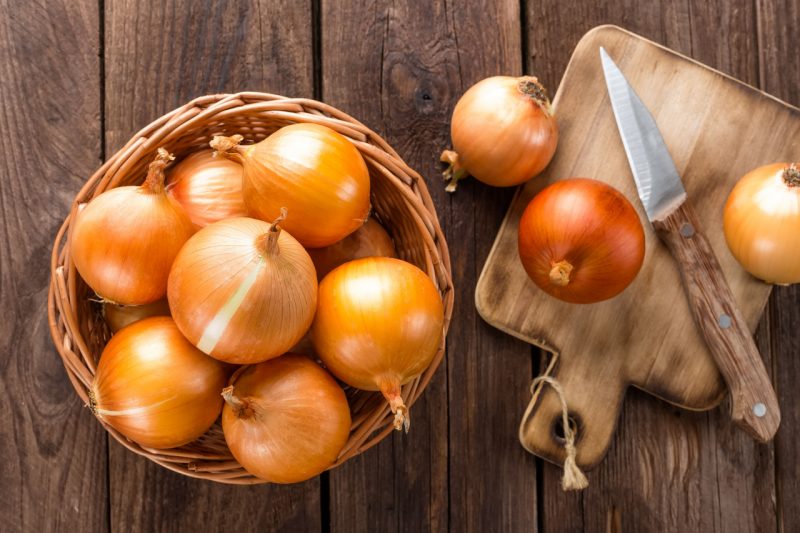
[(399, 197)]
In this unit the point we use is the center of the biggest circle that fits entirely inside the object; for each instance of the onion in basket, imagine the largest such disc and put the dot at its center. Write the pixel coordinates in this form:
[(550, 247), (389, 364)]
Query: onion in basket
[(370, 240), (312, 171), (242, 290), (378, 326), (119, 316), (124, 241), (285, 420), (154, 387), (209, 188)]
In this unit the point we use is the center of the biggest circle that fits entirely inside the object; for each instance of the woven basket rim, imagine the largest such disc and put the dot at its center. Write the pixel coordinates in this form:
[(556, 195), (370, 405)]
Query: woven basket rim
[(374, 420)]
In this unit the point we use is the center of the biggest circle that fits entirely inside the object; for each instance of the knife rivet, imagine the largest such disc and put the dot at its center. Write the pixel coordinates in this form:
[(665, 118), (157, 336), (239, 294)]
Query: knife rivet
[(724, 321), (759, 409), (687, 230)]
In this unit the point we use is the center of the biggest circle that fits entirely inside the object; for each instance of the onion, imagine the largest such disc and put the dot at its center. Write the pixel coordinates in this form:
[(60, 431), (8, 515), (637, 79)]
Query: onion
[(761, 221), (285, 420), (243, 291), (124, 241), (209, 188), (156, 388), (370, 240), (311, 170), (503, 132), (581, 241), (119, 316), (378, 326)]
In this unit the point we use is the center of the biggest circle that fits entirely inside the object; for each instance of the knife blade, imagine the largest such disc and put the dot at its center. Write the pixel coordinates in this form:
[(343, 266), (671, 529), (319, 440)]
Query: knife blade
[(753, 403)]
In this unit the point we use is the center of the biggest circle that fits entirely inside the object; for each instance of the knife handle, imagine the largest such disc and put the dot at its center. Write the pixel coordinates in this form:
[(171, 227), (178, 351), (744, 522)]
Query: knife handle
[(754, 406)]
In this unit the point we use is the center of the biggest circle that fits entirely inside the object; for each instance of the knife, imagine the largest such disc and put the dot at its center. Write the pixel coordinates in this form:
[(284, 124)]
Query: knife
[(754, 406)]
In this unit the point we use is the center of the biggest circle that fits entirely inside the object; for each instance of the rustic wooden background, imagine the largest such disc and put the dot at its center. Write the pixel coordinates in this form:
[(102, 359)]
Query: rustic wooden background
[(79, 77)]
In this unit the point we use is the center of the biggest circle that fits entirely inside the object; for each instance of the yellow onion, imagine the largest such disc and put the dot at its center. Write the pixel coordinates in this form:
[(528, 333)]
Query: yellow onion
[(504, 132), (154, 387), (242, 290), (285, 420), (209, 188), (761, 221), (370, 240), (124, 241), (119, 316), (378, 325), (312, 171)]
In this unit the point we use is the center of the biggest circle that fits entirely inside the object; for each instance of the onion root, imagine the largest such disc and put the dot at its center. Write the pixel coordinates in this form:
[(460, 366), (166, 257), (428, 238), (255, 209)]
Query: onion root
[(791, 176), (559, 274), (402, 420), (454, 171)]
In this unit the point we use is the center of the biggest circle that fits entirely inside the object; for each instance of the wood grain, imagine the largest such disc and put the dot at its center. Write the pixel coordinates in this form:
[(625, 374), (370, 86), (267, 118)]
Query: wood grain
[(752, 400), (54, 471), (158, 56)]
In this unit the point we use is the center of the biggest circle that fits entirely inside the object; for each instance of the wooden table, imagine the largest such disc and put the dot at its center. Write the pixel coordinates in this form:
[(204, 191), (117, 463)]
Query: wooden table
[(79, 77)]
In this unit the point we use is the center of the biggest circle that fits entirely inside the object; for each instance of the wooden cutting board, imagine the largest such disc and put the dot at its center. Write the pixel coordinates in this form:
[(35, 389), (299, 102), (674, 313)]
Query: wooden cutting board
[(716, 129)]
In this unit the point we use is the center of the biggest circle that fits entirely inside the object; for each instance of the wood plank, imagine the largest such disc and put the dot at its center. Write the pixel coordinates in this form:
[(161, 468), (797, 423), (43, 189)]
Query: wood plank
[(158, 56), (405, 68), (667, 469), (778, 74), (54, 469)]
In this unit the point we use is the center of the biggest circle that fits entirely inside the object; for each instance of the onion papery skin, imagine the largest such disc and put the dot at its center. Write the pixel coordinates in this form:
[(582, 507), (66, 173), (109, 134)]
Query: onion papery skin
[(503, 131), (209, 188), (312, 171), (119, 316), (761, 220), (581, 241), (154, 387), (285, 420), (379, 324), (124, 241), (238, 301), (370, 240)]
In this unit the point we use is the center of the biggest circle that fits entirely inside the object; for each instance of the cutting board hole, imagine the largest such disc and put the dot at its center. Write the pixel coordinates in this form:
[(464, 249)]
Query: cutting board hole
[(558, 428)]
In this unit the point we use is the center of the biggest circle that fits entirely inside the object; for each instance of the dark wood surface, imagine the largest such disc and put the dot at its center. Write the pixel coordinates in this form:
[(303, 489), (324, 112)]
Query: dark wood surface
[(79, 77)]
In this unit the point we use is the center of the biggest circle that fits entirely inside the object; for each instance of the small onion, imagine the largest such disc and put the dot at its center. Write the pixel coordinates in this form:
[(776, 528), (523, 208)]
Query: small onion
[(312, 171), (119, 316), (242, 290), (581, 241), (761, 221), (154, 387), (124, 241), (285, 420), (379, 324), (503, 132), (209, 188), (370, 240)]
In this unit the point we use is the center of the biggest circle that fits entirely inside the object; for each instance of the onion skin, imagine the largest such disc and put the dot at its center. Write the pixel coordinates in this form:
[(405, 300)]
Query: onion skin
[(285, 420), (313, 172), (503, 131), (761, 220), (119, 316), (370, 240), (243, 291), (378, 325), (124, 241), (581, 241), (154, 387), (208, 188)]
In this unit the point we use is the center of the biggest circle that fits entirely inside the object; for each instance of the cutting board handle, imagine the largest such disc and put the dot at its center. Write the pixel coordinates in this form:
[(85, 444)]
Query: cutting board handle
[(754, 405), (541, 431)]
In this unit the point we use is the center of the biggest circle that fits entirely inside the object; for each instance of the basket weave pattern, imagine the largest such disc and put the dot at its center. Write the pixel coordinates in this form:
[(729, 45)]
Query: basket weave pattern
[(399, 198)]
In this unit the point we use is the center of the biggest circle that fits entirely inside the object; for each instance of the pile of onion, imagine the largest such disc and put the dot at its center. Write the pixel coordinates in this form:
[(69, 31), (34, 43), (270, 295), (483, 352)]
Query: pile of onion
[(503, 131), (581, 241), (285, 420), (208, 188), (378, 326), (154, 387), (242, 290), (124, 241), (310, 170), (761, 221)]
